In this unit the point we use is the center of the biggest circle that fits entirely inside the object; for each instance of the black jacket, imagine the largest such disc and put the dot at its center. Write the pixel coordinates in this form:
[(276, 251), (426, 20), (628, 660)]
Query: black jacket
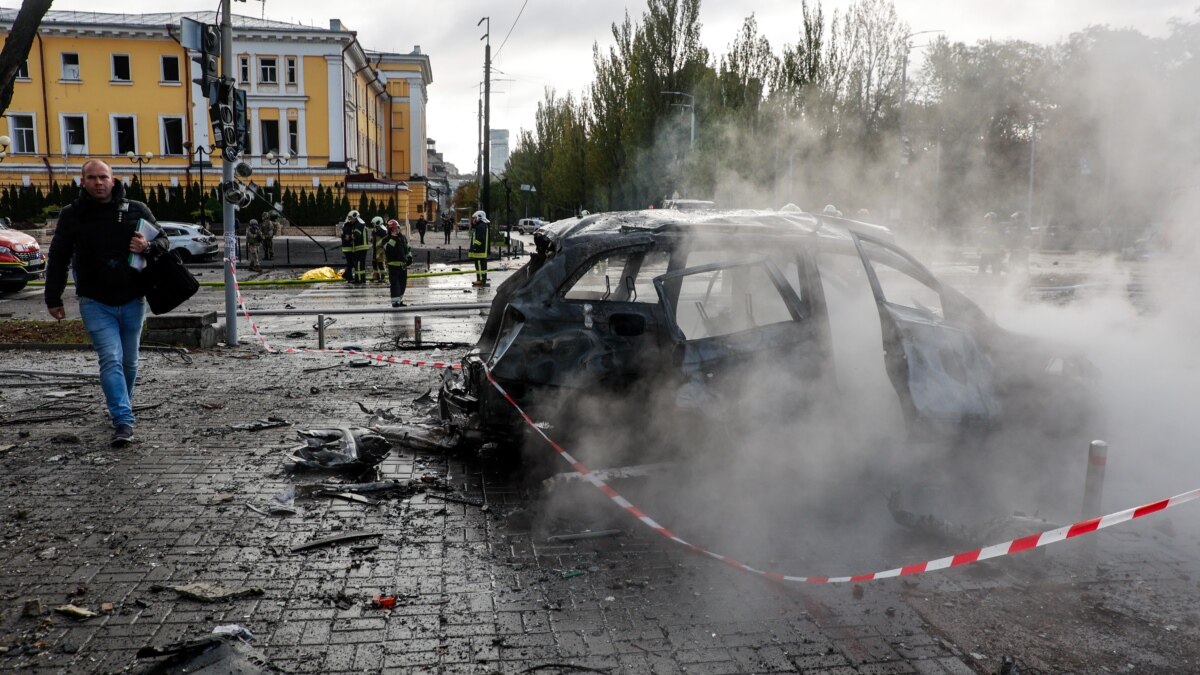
[(94, 239)]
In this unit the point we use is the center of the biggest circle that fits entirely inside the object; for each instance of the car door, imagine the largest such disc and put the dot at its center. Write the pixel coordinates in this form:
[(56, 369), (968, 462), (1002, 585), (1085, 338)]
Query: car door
[(602, 327), (934, 361), (741, 324)]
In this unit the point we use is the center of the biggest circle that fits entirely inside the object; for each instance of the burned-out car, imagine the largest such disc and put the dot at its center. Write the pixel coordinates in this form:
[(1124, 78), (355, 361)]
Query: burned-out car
[(674, 313)]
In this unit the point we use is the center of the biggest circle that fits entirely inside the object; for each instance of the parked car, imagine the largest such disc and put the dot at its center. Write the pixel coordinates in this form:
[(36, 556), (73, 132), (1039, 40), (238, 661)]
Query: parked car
[(21, 259), (191, 242), (529, 225), (668, 312)]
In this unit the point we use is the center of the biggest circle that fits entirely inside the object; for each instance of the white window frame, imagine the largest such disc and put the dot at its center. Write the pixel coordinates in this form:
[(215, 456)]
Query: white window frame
[(112, 130), (291, 66), (162, 69), (23, 71), (262, 137), (63, 67), (12, 131), (262, 66), (293, 138), (244, 69), (62, 134), (112, 68), (162, 135)]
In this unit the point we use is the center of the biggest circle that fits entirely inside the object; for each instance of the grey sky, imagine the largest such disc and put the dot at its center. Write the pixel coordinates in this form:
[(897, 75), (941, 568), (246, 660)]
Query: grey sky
[(551, 43)]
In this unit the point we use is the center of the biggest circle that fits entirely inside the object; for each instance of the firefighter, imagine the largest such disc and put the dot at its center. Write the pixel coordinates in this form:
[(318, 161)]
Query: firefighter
[(399, 257), (480, 246), (354, 230), (379, 232), (268, 235)]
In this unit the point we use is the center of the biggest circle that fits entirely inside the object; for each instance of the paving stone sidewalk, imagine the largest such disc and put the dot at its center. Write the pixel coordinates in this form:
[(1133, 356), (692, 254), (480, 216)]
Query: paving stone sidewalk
[(479, 591)]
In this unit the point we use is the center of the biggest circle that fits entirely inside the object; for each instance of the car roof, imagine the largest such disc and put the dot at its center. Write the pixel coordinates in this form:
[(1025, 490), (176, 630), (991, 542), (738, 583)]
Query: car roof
[(787, 221)]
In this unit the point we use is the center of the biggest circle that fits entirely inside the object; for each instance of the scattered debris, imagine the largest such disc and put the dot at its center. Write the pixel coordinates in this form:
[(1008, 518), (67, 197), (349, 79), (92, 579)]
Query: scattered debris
[(385, 601), (259, 425), (33, 608), (49, 553), (234, 630), (106, 608), (335, 539), (212, 406), (577, 536), (570, 574), (457, 499), (283, 504), (348, 496), (418, 437), (383, 414), (65, 438), (256, 509), (221, 653), (996, 529), (341, 448), (202, 591), (75, 612)]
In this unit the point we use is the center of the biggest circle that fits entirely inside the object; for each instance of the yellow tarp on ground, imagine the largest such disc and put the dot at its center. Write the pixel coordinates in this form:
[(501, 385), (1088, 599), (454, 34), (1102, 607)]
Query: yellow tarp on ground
[(320, 274)]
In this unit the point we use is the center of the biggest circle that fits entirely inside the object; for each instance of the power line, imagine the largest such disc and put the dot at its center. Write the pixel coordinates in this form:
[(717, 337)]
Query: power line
[(510, 30)]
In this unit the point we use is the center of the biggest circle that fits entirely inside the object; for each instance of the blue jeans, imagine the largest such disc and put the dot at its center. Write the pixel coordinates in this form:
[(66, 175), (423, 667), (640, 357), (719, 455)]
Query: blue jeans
[(116, 332)]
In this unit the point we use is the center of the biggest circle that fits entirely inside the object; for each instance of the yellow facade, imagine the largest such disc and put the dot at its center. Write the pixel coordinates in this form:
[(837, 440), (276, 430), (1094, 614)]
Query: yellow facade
[(101, 85)]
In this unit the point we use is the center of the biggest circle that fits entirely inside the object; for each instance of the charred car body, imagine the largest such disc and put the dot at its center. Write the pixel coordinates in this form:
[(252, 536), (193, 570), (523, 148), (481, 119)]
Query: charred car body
[(682, 301)]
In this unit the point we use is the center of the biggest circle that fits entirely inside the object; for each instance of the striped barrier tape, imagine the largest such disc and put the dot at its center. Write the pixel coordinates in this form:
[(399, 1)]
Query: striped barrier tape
[(382, 358), (957, 560)]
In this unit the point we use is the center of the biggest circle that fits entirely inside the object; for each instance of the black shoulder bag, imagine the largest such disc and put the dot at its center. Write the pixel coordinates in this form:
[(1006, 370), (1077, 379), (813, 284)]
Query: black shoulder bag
[(166, 282)]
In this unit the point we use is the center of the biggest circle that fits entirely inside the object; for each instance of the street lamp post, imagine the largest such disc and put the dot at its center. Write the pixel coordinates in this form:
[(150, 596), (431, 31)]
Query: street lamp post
[(140, 160), (200, 151), (691, 106), (279, 161), (5, 141)]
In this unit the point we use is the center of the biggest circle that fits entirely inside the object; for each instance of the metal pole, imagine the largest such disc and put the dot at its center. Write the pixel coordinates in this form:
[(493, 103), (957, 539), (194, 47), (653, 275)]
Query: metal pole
[(487, 121), (229, 218), (320, 331), (417, 330), (1093, 486)]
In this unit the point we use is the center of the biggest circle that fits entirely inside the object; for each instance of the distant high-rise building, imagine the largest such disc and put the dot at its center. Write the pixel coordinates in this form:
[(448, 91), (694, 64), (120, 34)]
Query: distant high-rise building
[(499, 150)]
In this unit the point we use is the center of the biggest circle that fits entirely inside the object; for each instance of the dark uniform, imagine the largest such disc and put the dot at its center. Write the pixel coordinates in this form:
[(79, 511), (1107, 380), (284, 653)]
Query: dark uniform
[(399, 256), (480, 245), (354, 247)]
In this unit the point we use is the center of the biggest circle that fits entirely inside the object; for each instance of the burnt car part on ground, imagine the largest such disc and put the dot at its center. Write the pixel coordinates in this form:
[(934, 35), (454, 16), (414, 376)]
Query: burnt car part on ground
[(633, 305)]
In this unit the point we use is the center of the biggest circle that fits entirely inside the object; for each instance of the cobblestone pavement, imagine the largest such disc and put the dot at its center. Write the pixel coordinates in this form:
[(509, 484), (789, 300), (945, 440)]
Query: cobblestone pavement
[(484, 590)]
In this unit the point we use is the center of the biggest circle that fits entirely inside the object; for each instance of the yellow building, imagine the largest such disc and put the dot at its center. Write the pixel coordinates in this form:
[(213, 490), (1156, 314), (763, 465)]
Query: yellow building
[(322, 109)]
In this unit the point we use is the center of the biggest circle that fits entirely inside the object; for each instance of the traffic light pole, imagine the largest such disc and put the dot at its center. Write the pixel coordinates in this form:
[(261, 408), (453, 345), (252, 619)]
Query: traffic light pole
[(230, 218)]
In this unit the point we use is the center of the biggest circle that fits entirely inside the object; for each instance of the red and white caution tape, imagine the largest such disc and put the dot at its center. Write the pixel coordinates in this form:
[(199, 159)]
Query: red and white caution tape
[(382, 358), (957, 560)]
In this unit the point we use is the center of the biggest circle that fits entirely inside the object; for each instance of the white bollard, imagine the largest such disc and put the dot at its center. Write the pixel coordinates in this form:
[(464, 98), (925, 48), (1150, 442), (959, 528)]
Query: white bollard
[(1093, 486)]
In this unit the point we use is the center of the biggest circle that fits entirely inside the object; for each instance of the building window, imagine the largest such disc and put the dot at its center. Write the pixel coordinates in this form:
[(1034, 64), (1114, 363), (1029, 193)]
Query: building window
[(74, 130), (170, 68), (70, 66), (124, 135), (294, 137), (120, 68), (23, 70), (172, 136), (292, 70), (267, 70), (244, 69), (20, 127), (269, 130)]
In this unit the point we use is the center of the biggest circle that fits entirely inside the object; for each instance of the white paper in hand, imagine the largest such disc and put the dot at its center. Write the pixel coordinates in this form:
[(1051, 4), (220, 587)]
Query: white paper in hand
[(147, 229)]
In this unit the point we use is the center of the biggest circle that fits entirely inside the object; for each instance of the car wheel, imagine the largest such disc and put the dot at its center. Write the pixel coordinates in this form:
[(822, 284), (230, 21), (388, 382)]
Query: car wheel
[(11, 286), (184, 254)]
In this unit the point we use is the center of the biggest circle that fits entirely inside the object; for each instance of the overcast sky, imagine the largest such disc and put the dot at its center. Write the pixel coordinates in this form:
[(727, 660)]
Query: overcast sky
[(550, 44)]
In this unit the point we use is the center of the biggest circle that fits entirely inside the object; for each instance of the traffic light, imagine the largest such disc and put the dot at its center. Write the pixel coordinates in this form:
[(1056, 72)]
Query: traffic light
[(229, 118), (210, 49)]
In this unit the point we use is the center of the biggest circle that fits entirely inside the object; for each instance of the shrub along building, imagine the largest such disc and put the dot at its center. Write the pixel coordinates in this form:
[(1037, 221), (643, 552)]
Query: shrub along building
[(326, 115)]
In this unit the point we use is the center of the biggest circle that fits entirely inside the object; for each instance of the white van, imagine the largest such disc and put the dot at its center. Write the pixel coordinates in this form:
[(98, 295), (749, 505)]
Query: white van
[(529, 225)]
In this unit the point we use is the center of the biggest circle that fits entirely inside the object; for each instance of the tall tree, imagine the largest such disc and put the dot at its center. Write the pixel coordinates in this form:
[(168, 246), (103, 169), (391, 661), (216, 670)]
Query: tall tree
[(17, 46)]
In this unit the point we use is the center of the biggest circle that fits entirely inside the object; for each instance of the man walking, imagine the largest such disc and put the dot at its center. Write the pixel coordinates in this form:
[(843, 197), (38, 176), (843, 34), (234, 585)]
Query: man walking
[(447, 227), (481, 244), (97, 235), (399, 257), (421, 227)]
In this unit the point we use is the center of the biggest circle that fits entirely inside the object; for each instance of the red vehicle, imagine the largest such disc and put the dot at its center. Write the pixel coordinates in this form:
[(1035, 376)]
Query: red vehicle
[(21, 259)]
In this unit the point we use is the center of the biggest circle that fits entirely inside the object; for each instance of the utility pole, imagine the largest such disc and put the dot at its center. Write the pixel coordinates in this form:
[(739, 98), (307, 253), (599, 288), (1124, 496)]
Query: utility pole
[(485, 175), (230, 218)]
